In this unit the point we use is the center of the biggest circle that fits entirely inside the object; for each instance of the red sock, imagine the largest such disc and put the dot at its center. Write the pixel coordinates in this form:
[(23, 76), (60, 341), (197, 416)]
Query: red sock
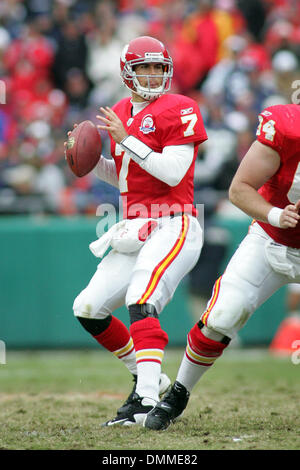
[(116, 337), (148, 335), (205, 349)]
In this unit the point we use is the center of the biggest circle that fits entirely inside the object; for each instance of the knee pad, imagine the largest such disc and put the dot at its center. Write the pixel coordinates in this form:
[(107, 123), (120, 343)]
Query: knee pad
[(141, 311), (213, 334), (84, 307), (229, 314), (95, 326)]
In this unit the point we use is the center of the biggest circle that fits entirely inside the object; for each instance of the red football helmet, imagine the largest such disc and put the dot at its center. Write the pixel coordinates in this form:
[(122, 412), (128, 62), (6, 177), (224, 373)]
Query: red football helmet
[(140, 51)]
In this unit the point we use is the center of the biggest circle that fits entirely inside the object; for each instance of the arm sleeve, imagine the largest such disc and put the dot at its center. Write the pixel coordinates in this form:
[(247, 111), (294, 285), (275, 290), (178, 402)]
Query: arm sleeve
[(106, 171), (171, 165)]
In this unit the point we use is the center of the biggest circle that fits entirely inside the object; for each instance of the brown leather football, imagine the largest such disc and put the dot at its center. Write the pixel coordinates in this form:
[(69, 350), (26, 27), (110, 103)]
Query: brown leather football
[(83, 148)]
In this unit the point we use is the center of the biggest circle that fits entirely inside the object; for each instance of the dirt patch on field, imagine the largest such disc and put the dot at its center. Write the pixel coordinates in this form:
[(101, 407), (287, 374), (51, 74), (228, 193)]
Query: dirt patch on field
[(67, 396)]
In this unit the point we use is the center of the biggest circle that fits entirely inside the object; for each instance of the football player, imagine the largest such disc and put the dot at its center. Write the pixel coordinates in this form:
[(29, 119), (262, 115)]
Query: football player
[(266, 186), (154, 143), (293, 300)]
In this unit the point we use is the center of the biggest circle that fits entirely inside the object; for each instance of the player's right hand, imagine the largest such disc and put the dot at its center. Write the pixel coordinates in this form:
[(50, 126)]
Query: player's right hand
[(112, 123), (290, 215)]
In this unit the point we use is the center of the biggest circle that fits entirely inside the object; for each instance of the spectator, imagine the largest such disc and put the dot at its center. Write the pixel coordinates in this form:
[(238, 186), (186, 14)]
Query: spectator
[(254, 13), (71, 51), (59, 61), (77, 89), (103, 62), (286, 69)]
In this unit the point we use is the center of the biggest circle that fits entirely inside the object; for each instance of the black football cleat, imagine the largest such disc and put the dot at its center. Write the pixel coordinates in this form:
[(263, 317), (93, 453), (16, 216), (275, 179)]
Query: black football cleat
[(133, 413), (169, 409), (125, 414)]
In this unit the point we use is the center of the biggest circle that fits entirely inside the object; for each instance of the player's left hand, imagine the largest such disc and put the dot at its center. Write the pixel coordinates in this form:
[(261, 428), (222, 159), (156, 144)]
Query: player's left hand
[(112, 123)]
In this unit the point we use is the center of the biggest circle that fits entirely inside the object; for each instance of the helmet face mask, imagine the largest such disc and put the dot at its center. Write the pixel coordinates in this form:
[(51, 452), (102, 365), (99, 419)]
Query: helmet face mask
[(146, 50)]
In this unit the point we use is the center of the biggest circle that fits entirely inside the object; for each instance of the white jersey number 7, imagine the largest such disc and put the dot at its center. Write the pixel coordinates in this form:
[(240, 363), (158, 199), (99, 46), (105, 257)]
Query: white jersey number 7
[(191, 119), (123, 186)]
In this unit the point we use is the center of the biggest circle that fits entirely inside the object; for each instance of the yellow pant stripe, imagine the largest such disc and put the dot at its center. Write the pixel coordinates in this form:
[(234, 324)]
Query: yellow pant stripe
[(213, 300), (160, 268)]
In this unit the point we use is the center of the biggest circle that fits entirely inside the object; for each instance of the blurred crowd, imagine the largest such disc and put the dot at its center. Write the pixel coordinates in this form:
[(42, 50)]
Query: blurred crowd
[(59, 62)]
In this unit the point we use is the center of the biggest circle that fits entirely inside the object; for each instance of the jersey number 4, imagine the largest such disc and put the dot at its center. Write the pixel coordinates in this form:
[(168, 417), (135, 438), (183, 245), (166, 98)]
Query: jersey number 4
[(269, 129)]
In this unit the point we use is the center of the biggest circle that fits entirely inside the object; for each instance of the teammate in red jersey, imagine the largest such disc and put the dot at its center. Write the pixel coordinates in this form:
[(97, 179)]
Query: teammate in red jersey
[(266, 186), (154, 143)]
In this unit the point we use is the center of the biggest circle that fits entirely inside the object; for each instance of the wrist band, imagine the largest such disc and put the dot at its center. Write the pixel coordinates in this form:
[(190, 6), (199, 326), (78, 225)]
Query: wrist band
[(135, 148), (274, 216)]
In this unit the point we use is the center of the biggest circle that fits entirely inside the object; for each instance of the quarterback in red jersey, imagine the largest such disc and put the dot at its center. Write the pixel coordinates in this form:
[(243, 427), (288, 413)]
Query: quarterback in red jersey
[(266, 186), (154, 143), (171, 120)]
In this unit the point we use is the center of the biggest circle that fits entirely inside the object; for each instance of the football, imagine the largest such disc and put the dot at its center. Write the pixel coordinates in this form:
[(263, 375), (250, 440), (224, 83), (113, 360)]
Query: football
[(83, 148)]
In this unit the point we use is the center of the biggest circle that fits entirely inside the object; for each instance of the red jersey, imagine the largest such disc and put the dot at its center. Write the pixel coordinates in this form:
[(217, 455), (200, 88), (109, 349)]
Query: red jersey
[(169, 120), (279, 128)]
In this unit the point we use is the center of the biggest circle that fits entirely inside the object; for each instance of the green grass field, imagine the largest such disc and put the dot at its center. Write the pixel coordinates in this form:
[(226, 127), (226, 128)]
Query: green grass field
[(57, 400)]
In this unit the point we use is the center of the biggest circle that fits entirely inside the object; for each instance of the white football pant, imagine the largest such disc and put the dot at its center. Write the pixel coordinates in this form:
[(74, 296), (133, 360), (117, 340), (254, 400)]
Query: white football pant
[(258, 268), (149, 275)]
